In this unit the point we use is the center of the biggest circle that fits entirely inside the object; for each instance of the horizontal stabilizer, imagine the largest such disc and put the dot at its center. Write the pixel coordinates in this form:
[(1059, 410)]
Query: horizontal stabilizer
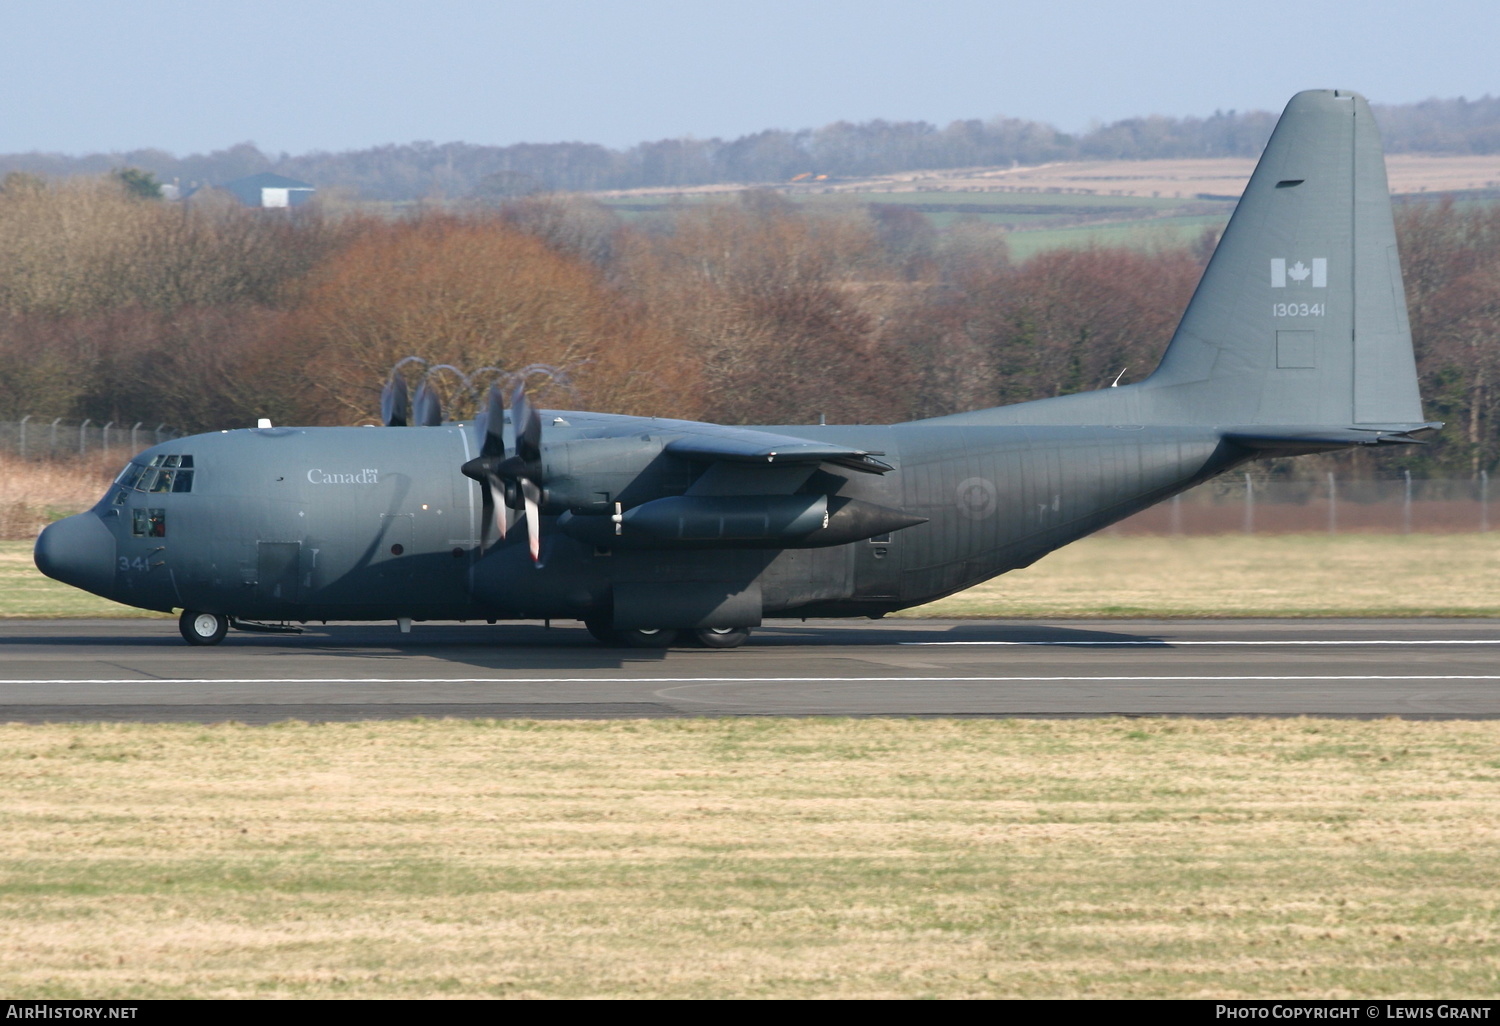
[(743, 445), (1304, 439)]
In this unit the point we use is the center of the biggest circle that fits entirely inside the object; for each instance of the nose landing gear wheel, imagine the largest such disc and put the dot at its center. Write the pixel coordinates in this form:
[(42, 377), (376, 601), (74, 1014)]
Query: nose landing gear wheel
[(202, 628), (721, 637)]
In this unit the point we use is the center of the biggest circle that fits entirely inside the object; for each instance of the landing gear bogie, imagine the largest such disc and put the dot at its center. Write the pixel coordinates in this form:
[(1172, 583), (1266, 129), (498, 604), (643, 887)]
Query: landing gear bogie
[(666, 637)]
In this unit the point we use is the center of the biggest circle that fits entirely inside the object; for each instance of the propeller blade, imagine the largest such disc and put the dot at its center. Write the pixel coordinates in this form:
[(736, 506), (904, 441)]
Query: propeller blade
[(492, 437), (528, 425), (501, 510), (509, 480), (532, 494), (427, 409), (393, 402)]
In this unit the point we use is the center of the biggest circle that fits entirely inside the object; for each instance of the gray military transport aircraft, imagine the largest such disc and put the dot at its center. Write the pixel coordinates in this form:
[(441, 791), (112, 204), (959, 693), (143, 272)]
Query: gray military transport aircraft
[(651, 530)]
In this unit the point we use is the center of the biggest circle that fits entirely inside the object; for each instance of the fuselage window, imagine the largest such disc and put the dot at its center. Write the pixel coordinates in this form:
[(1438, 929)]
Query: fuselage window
[(148, 523)]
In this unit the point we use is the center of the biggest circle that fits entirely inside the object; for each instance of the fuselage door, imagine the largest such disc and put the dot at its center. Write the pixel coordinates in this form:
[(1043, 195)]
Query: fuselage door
[(278, 577)]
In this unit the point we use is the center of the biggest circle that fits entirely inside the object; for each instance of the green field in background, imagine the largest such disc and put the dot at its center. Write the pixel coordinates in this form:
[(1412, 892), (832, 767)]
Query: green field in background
[(1075, 221), (1156, 233)]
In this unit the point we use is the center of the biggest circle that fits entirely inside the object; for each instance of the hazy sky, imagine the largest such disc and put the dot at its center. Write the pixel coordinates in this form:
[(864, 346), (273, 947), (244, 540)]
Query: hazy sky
[(295, 75)]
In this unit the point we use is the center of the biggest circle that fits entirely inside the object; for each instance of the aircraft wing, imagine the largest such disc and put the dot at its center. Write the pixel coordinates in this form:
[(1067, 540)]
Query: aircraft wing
[(743, 445)]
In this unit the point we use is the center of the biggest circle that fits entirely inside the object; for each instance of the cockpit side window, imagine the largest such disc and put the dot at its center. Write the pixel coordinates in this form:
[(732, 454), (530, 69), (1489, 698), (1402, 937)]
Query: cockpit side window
[(148, 523), (130, 475)]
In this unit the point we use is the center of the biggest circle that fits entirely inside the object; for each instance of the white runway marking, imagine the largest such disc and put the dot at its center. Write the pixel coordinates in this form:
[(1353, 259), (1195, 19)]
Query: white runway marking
[(1177, 644), (895, 678)]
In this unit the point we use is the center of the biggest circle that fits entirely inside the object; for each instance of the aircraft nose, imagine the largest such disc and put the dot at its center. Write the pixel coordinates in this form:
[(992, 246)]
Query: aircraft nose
[(80, 551)]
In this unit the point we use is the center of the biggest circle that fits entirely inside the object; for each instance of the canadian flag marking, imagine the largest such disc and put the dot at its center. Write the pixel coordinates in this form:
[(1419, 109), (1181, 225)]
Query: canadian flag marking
[(1299, 272)]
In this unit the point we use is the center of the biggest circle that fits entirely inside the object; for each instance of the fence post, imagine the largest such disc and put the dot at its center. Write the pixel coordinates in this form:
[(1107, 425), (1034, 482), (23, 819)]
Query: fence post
[(1249, 505), (1333, 504), (106, 435), (134, 448), (82, 436), (23, 435), (52, 439), (1484, 500), (158, 433), (1406, 505)]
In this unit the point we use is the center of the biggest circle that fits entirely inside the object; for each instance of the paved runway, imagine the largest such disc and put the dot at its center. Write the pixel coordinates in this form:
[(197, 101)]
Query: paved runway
[(141, 670)]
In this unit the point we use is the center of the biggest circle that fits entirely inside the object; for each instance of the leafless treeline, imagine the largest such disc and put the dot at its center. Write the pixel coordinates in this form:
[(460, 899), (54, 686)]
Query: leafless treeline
[(458, 170), (119, 308)]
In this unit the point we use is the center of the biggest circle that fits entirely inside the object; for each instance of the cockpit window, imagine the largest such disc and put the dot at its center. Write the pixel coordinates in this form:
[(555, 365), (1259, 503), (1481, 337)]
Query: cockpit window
[(130, 475), (165, 473)]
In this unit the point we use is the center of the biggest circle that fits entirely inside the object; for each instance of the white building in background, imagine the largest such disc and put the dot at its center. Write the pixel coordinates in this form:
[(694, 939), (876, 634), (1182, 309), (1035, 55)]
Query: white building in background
[(270, 191)]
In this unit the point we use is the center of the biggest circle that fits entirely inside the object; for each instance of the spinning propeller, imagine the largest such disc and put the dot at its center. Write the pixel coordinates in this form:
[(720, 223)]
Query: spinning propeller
[(393, 402), (510, 478), (427, 410)]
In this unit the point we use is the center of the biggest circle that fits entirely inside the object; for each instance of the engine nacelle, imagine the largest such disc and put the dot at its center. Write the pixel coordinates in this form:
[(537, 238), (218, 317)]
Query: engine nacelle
[(739, 521), (592, 474)]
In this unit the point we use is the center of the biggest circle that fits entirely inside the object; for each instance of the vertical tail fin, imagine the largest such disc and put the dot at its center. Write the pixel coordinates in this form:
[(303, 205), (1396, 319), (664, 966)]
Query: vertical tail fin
[(1300, 318)]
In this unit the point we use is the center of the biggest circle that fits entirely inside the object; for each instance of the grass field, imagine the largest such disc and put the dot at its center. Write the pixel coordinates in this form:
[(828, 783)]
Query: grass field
[(725, 858), (1138, 204), (1033, 222), (1247, 575), (1103, 576), (1154, 234)]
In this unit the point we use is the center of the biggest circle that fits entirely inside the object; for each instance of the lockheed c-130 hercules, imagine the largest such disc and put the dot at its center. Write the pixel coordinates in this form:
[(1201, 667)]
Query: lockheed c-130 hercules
[(649, 530)]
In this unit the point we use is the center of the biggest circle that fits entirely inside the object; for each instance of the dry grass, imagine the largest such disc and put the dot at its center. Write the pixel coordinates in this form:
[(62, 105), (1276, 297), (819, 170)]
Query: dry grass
[(752, 858), (1240, 575), (34, 493)]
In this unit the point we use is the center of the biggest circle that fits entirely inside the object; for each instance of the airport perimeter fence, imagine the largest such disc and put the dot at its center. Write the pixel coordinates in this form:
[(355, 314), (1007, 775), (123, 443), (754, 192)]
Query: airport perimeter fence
[(1237, 503), (42, 439), (1234, 503)]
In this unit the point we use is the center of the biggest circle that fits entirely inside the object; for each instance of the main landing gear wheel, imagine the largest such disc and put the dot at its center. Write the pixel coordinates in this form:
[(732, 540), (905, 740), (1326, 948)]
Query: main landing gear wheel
[(647, 637), (654, 637), (202, 628), (721, 637)]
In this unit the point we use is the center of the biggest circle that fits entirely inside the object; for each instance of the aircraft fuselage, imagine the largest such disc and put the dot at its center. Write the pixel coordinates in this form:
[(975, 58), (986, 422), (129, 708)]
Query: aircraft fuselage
[(377, 524)]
